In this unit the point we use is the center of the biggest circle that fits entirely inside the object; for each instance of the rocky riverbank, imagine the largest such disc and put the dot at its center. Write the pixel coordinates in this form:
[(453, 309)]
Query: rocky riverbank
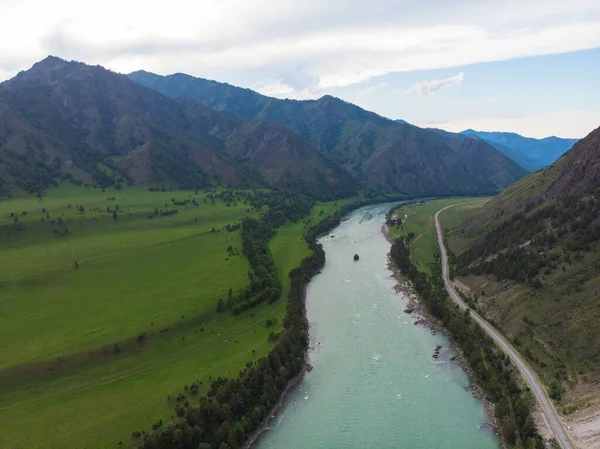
[(421, 317)]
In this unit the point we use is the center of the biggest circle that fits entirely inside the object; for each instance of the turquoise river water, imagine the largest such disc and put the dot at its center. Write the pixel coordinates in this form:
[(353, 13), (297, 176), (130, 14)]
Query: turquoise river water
[(374, 383)]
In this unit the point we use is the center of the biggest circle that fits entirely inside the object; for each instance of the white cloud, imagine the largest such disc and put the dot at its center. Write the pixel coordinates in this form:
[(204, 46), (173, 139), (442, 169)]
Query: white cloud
[(431, 87), (274, 88), (568, 124), (279, 89), (372, 89), (240, 40), (302, 48)]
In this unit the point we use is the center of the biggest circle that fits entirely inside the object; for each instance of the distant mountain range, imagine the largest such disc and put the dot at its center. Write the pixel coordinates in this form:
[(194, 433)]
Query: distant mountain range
[(70, 120), (531, 154), (382, 155)]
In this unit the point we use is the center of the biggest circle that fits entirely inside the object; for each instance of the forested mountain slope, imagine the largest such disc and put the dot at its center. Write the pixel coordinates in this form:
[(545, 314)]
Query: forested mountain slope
[(530, 153), (533, 264), (382, 154), (68, 119)]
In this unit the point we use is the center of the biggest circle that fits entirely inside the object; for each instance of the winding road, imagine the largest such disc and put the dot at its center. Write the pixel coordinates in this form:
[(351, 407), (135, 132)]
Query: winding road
[(549, 412)]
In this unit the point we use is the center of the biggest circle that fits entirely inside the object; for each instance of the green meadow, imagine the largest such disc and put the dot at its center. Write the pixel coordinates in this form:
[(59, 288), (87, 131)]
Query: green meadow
[(418, 220), (108, 309), (288, 247), (108, 278), (105, 315)]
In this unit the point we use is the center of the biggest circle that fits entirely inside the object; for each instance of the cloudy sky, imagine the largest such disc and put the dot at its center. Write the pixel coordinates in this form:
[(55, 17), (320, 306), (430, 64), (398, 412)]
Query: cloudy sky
[(528, 66)]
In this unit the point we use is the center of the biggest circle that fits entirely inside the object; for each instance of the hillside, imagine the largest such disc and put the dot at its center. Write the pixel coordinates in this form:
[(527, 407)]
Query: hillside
[(68, 119), (531, 154), (383, 155), (480, 154), (529, 259)]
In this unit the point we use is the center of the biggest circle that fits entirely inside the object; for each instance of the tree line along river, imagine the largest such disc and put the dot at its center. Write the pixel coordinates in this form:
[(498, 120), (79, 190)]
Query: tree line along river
[(374, 382)]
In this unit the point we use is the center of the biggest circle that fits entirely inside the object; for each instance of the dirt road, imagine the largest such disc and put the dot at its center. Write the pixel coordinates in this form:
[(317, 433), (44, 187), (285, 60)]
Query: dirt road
[(552, 418)]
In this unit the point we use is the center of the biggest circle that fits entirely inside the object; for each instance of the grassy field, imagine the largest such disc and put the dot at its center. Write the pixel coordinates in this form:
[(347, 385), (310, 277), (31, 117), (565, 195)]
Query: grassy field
[(451, 219), (101, 323), (288, 247), (133, 271), (418, 220)]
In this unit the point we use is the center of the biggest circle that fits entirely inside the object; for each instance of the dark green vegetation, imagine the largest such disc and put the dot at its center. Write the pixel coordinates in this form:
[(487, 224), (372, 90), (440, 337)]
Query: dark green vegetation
[(73, 121), (493, 370), (383, 155), (234, 407), (144, 261), (530, 260), (127, 304), (531, 154), (110, 302)]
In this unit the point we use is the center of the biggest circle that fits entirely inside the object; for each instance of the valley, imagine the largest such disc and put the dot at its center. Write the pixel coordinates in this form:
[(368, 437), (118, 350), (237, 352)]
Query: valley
[(175, 252), (373, 376)]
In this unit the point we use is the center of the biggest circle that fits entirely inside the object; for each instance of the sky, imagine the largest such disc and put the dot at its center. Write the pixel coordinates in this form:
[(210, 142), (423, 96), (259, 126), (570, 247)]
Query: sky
[(526, 66)]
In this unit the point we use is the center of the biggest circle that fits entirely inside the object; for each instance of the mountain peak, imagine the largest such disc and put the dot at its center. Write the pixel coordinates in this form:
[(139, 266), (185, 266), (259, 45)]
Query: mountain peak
[(141, 73), (49, 69), (48, 63), (50, 60)]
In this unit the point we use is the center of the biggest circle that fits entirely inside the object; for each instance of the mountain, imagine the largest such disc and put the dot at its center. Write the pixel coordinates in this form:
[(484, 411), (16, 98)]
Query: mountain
[(71, 120), (479, 155), (533, 263), (532, 154), (381, 154)]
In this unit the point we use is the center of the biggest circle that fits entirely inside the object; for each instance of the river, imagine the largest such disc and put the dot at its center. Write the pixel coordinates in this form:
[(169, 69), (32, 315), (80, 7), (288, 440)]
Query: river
[(374, 383)]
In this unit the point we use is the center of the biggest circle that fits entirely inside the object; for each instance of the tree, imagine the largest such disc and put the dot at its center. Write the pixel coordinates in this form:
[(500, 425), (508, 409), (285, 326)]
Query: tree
[(220, 306), (509, 430), (556, 390)]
